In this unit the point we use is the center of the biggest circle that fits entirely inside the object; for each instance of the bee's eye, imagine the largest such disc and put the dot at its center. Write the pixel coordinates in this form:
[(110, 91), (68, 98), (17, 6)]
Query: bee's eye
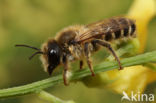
[(53, 59), (53, 51), (54, 54)]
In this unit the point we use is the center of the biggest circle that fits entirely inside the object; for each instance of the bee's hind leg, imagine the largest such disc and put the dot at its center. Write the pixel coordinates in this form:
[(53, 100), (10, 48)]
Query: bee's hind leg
[(89, 62), (108, 46)]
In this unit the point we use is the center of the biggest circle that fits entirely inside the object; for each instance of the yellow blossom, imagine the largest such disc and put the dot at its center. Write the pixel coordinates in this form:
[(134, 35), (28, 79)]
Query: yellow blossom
[(142, 11)]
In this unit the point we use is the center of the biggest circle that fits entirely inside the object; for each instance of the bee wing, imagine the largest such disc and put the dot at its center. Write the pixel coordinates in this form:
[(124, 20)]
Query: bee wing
[(100, 28), (95, 29)]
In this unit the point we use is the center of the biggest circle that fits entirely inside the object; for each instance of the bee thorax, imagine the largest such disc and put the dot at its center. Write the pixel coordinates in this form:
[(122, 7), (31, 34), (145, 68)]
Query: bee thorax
[(76, 51)]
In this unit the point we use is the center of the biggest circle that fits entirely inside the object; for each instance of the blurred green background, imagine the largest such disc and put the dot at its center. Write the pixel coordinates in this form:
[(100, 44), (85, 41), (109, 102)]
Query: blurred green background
[(32, 22)]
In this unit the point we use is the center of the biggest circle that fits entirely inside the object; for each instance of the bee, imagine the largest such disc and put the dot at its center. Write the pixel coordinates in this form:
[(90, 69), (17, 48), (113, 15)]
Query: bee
[(79, 42)]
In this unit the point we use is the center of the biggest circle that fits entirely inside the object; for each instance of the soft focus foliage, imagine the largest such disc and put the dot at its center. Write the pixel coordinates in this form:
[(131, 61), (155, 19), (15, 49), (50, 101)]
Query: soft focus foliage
[(33, 21)]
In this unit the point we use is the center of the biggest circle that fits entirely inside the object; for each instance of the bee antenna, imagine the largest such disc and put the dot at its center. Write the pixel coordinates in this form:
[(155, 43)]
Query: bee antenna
[(23, 45), (38, 52), (27, 46)]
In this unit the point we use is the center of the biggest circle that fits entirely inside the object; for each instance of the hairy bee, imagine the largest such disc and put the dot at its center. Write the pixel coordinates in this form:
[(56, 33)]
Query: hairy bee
[(80, 41)]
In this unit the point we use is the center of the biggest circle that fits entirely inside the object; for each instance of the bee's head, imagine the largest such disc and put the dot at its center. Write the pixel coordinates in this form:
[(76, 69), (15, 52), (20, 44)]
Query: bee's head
[(50, 55)]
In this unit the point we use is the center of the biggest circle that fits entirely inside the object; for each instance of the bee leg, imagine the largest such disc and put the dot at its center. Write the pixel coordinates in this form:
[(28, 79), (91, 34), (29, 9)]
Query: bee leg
[(86, 51), (65, 70), (81, 64), (108, 46)]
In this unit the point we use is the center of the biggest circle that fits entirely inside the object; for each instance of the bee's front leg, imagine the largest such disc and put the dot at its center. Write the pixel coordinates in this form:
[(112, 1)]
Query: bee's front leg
[(81, 64), (89, 62), (65, 70)]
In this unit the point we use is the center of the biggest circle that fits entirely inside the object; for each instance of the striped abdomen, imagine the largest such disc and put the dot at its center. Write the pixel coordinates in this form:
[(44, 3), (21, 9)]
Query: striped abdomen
[(119, 28)]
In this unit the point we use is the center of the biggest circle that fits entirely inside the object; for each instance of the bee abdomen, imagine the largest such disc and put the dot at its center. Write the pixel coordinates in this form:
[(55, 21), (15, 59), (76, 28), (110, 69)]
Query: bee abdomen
[(120, 28), (128, 26)]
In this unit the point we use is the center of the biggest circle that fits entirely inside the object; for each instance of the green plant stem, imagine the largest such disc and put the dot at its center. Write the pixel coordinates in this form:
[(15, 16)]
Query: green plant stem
[(49, 97), (104, 66)]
